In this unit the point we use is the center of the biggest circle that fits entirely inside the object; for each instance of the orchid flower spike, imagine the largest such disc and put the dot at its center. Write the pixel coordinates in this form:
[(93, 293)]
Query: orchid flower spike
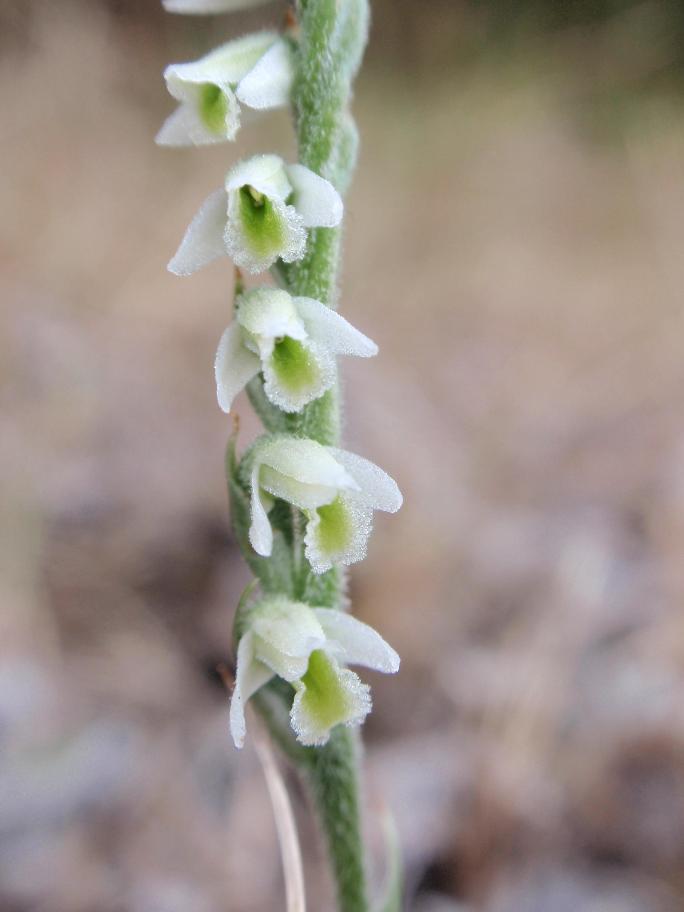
[(337, 491), (255, 70), (308, 647), (292, 340), (202, 7), (262, 214)]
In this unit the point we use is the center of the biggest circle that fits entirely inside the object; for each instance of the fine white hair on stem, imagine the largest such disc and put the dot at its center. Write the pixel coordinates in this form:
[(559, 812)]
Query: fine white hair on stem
[(288, 840)]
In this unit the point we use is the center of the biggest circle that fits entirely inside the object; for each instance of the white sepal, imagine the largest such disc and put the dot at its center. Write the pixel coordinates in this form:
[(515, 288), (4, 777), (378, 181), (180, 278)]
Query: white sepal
[(203, 241), (226, 65), (234, 366), (329, 329), (377, 489), (359, 643), (269, 313), (260, 532), (315, 198), (266, 173), (268, 83), (307, 462), (250, 675), (285, 635)]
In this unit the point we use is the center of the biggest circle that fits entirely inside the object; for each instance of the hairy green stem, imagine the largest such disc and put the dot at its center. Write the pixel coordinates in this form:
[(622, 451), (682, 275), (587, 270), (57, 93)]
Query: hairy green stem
[(332, 38), (333, 775), (333, 35)]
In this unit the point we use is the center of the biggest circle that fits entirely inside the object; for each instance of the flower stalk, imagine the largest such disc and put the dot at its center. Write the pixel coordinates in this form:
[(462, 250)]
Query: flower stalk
[(301, 507)]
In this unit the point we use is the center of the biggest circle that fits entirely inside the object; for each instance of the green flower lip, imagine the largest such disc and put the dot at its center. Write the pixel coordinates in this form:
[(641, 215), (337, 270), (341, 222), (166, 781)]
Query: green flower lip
[(213, 106), (262, 224), (295, 366)]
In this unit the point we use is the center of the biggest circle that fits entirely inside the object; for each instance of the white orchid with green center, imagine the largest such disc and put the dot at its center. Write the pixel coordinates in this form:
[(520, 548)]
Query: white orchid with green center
[(336, 490), (255, 71), (292, 340), (260, 216), (308, 647)]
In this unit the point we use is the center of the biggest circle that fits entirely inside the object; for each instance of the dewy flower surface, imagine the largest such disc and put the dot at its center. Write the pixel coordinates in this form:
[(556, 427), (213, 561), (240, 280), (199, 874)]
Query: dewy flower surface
[(308, 647), (260, 216), (336, 490), (293, 340), (255, 70)]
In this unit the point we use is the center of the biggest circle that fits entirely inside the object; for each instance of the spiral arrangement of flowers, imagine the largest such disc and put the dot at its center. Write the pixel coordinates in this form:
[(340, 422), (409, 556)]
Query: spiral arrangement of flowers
[(301, 506)]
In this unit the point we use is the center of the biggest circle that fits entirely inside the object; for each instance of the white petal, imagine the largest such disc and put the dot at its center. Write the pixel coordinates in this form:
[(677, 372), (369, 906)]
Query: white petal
[(315, 198), (250, 675), (268, 84), (260, 531), (266, 173), (270, 312), (297, 493), (224, 66), (329, 329), (360, 644), (203, 241), (306, 461), (378, 489), (234, 366), (200, 7), (352, 549), (286, 633)]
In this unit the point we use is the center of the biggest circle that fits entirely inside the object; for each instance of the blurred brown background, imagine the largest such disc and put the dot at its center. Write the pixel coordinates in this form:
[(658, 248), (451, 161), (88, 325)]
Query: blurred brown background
[(514, 245)]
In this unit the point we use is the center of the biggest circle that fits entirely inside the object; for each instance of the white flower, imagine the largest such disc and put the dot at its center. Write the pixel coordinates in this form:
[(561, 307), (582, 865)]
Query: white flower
[(305, 647), (200, 7), (261, 214), (292, 340), (336, 490), (255, 70)]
